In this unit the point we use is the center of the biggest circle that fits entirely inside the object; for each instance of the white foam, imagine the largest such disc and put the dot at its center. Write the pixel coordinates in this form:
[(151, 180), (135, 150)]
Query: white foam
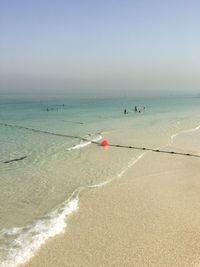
[(131, 163), (85, 143), (100, 184), (28, 239), (11, 232), (183, 132), (81, 145), (121, 173)]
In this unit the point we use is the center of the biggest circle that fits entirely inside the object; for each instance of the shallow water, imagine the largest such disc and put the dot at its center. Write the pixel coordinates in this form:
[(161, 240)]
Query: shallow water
[(38, 192)]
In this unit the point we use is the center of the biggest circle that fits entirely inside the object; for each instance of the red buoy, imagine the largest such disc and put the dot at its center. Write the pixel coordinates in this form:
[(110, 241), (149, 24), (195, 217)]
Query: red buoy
[(104, 143)]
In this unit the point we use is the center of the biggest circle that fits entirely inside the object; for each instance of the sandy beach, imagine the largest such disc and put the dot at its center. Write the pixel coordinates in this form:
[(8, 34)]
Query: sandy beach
[(148, 217)]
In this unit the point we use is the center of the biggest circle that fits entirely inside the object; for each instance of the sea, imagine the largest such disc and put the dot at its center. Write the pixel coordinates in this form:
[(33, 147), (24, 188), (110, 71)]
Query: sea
[(50, 151)]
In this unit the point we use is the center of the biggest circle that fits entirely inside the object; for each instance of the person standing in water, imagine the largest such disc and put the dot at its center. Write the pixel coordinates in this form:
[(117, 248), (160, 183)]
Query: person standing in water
[(125, 111), (135, 109)]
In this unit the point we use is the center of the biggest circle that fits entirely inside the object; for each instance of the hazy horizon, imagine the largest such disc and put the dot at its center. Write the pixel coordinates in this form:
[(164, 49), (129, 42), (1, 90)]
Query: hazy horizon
[(99, 48)]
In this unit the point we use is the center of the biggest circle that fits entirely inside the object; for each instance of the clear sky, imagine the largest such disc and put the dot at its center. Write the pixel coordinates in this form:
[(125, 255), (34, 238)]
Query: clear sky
[(100, 47)]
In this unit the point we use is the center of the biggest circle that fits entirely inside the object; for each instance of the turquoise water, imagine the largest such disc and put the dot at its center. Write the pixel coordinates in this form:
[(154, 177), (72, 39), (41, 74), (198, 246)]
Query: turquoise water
[(38, 192)]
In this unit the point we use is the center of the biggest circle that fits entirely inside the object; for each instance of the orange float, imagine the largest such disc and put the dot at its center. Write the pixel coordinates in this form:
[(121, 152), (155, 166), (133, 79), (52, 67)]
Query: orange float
[(104, 143)]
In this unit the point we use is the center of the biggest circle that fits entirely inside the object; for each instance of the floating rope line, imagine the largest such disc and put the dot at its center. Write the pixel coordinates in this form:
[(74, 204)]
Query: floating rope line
[(74, 122), (45, 132), (38, 131), (97, 143), (12, 160), (154, 150)]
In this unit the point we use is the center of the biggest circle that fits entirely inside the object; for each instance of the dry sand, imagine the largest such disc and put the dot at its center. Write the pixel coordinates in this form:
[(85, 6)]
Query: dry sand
[(148, 217)]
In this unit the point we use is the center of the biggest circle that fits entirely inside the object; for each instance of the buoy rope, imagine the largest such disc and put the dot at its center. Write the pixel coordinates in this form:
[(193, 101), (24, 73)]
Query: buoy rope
[(16, 159), (41, 131), (154, 150), (97, 143), (38, 131)]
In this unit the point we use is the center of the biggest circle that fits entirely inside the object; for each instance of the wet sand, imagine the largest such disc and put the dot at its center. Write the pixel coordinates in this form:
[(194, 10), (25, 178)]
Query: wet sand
[(148, 217)]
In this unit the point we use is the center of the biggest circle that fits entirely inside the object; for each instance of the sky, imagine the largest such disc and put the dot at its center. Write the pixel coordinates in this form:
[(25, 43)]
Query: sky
[(99, 47)]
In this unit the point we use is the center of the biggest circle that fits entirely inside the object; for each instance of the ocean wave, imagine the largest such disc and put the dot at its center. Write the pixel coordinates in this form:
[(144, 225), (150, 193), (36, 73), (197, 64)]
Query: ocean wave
[(83, 144), (26, 240), (131, 163), (182, 132), (100, 184)]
